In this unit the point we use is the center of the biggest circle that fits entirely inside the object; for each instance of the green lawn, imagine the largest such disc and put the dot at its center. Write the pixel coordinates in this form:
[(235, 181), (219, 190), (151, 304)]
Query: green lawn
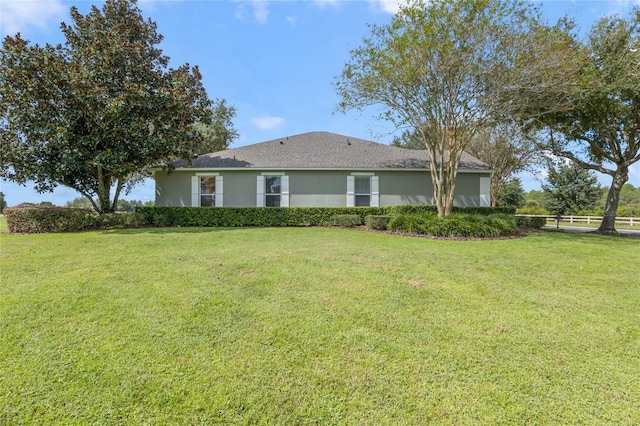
[(317, 326)]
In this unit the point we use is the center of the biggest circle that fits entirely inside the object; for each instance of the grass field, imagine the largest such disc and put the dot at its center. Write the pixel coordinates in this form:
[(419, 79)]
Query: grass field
[(317, 326)]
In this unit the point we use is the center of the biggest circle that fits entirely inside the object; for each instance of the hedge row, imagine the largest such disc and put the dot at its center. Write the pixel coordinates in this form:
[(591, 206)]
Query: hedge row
[(38, 219), (455, 225), (285, 216), (251, 216), (526, 222)]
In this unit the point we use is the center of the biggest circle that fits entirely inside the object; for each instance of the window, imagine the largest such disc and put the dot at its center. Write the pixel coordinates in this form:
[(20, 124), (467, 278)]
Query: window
[(207, 191), (362, 191), (272, 191)]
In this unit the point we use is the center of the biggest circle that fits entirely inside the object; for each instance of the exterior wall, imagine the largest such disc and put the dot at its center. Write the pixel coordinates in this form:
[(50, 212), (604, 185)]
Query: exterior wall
[(173, 189), (318, 188), (468, 189)]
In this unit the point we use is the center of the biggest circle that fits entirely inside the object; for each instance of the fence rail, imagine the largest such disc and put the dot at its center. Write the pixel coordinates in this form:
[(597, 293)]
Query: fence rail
[(631, 221)]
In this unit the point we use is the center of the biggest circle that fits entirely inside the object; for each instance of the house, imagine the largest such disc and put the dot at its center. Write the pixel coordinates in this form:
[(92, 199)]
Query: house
[(316, 169)]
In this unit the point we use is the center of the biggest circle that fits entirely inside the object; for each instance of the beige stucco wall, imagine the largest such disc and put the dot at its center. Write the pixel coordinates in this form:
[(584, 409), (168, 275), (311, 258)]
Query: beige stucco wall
[(318, 188)]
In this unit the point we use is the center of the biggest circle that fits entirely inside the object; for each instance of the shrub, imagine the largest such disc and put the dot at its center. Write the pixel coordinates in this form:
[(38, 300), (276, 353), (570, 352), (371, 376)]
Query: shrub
[(379, 222), (37, 219), (629, 211), (533, 210), (346, 220), (455, 225), (526, 222)]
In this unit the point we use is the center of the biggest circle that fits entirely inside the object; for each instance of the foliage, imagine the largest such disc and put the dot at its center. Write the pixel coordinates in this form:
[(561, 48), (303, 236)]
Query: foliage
[(589, 103), (455, 225), (95, 112), (629, 194), (440, 68), (220, 133), (571, 189), (346, 220), (526, 222), (3, 202), (508, 149), (30, 220), (250, 216), (430, 209), (82, 202), (285, 216), (379, 222), (511, 194), (409, 140)]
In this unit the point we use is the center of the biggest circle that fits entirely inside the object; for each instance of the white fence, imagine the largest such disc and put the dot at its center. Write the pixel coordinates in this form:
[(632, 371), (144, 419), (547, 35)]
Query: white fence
[(631, 221)]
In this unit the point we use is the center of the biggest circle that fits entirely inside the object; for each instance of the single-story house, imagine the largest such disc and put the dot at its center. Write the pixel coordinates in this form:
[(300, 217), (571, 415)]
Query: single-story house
[(316, 169)]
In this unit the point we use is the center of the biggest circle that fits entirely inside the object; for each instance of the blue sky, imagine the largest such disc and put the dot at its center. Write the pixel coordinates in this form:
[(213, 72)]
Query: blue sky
[(275, 61)]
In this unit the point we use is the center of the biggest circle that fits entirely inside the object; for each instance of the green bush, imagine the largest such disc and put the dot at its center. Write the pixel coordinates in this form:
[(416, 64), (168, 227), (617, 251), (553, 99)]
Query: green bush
[(533, 210), (38, 219), (429, 209), (526, 222), (455, 225), (379, 222), (346, 220), (251, 216), (629, 211)]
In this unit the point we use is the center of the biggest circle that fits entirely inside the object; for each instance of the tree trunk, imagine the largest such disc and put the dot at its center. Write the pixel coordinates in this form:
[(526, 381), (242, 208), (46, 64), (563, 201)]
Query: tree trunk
[(608, 225), (494, 189)]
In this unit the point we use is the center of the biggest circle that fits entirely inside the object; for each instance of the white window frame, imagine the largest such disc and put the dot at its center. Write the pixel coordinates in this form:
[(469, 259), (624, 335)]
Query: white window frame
[(374, 188), (195, 189), (261, 192)]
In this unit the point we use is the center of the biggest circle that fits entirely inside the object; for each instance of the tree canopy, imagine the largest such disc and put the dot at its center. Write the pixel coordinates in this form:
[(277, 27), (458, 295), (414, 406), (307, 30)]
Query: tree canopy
[(95, 112), (571, 189), (588, 106), (440, 68)]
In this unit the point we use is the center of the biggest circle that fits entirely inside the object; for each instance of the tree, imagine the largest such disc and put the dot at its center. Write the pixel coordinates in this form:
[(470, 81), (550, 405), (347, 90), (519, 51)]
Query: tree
[(511, 194), (80, 202), (440, 68), (508, 149), (629, 195), (94, 113), (571, 189), (3, 202), (593, 118), (409, 140)]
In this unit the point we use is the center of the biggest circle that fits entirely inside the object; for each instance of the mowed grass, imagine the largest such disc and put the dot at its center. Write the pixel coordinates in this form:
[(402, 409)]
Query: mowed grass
[(317, 326)]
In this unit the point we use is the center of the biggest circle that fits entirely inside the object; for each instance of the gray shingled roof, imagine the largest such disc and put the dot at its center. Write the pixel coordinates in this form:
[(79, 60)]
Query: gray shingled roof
[(321, 150)]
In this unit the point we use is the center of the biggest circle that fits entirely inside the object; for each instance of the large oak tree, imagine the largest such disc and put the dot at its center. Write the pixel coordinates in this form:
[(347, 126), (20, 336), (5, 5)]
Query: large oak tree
[(594, 117), (95, 112), (440, 68)]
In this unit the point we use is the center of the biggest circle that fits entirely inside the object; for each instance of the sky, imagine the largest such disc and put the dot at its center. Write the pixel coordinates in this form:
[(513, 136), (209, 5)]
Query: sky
[(274, 61)]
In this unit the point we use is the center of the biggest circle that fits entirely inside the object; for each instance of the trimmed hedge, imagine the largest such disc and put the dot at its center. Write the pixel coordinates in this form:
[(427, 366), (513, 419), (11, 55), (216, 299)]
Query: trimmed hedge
[(346, 220), (525, 222), (379, 222), (428, 209), (282, 216), (455, 225), (38, 219), (250, 216)]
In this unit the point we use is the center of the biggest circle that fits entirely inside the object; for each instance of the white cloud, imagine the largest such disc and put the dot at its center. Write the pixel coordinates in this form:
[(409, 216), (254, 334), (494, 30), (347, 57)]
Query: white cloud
[(389, 6), (259, 10), (19, 15), (322, 3), (291, 20), (267, 122)]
